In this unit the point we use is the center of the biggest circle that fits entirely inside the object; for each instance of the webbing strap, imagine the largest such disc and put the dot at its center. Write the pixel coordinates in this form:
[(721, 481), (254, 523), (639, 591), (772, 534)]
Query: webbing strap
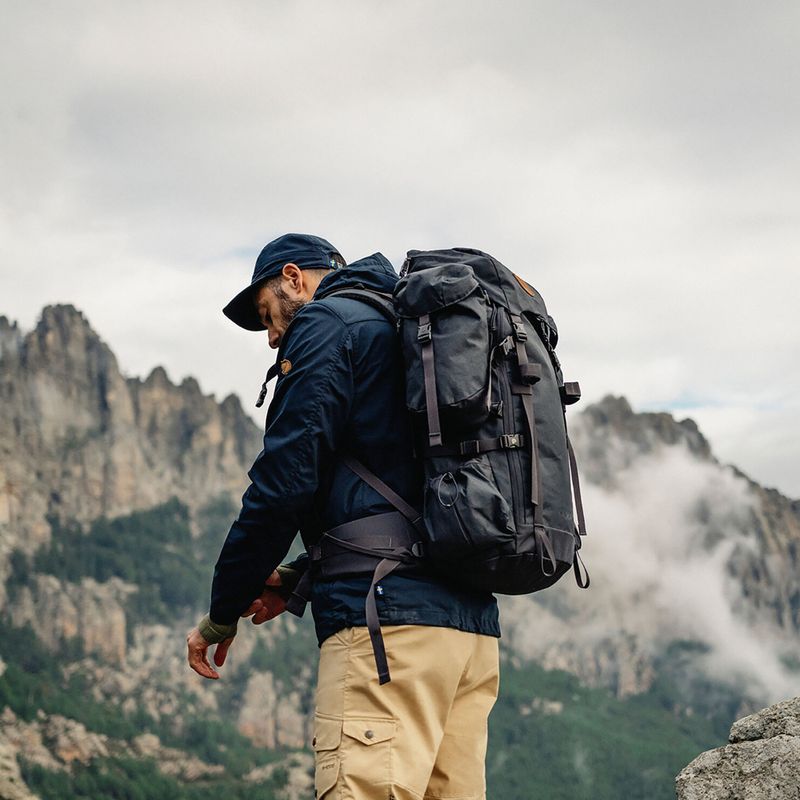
[(298, 599), (385, 491), (271, 373), (425, 338), (366, 545), (577, 565), (474, 447), (380, 301), (544, 545), (391, 547), (385, 565), (527, 404), (576, 488), (526, 393), (384, 568)]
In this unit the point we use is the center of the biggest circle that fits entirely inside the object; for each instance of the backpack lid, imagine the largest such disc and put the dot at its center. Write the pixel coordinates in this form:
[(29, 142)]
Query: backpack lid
[(502, 285), (428, 290)]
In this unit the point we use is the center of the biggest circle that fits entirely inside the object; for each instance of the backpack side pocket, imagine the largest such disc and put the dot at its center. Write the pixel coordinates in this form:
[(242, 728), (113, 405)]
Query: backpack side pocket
[(465, 513)]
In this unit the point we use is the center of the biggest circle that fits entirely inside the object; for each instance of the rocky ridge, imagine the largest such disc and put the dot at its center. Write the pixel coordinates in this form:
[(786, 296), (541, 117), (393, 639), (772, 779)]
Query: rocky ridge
[(79, 440)]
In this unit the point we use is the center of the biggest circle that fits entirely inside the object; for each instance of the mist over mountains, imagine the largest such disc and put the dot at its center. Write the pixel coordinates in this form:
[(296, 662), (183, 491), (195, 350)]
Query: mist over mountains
[(684, 549), (116, 492)]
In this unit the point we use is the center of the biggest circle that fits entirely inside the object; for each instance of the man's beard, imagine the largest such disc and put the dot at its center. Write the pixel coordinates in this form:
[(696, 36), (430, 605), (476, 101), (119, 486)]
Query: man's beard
[(287, 306)]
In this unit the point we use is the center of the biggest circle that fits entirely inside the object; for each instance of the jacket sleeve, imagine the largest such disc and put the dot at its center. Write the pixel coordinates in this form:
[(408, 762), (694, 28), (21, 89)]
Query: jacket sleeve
[(304, 428)]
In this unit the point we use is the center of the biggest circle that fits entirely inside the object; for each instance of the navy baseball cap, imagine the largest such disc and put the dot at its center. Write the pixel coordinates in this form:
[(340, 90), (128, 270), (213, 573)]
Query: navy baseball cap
[(302, 249)]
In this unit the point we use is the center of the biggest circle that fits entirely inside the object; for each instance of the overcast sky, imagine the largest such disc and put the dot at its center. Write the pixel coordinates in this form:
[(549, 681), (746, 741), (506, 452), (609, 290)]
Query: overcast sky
[(639, 163)]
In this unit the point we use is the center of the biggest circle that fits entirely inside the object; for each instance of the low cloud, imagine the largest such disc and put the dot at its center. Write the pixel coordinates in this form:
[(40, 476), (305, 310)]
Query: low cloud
[(659, 552)]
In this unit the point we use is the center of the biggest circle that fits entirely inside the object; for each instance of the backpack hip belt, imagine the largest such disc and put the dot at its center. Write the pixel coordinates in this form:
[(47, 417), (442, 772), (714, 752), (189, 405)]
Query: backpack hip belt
[(378, 544)]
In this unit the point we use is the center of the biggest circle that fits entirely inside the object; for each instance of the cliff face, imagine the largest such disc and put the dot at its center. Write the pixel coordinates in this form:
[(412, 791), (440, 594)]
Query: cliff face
[(78, 440)]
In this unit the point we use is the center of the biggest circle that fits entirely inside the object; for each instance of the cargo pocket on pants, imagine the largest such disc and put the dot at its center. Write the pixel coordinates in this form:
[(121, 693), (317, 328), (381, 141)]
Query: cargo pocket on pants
[(327, 737), (367, 751)]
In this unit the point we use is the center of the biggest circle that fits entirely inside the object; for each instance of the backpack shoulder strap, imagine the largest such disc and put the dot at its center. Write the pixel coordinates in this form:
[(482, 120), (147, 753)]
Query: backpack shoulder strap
[(378, 300), (384, 490)]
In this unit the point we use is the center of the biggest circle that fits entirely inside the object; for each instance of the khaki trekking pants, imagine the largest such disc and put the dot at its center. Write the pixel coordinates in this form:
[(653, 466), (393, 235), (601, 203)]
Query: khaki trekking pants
[(423, 734)]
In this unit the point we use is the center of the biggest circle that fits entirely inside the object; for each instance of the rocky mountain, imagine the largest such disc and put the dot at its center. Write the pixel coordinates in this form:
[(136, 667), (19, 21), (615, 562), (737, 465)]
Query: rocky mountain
[(79, 440), (115, 493)]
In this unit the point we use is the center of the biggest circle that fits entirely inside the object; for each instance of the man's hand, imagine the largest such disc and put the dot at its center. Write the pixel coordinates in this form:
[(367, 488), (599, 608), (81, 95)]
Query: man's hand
[(198, 654), (268, 605)]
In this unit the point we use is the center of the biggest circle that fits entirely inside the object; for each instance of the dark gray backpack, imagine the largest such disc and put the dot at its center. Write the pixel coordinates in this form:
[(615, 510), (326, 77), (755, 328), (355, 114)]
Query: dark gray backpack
[(485, 389), (485, 385)]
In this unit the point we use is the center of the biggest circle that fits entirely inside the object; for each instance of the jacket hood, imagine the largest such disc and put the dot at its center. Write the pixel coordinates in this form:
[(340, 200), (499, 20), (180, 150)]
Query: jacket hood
[(373, 272)]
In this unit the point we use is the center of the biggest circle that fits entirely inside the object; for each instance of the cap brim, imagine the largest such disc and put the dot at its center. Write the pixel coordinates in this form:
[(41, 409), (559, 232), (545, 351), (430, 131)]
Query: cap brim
[(242, 311)]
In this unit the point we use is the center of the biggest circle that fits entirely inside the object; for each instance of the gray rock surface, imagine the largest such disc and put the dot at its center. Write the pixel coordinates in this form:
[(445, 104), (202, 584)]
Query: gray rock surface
[(761, 763), (59, 611), (780, 719), (270, 715)]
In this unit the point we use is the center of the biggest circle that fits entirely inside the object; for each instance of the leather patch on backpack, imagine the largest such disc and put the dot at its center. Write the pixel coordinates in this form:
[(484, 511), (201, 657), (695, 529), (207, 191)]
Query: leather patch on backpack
[(526, 286), (286, 365)]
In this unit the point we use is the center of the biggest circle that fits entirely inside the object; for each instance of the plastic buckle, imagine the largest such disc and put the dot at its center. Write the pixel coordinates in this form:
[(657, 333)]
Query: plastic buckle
[(510, 440), (472, 447), (520, 334), (570, 393), (424, 333)]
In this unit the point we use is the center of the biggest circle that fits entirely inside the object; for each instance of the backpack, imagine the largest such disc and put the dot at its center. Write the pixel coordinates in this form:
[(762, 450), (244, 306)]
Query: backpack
[(485, 390)]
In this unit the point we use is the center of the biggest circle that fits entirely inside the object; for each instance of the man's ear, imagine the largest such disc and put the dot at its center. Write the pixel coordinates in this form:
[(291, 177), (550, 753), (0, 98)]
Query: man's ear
[(294, 275)]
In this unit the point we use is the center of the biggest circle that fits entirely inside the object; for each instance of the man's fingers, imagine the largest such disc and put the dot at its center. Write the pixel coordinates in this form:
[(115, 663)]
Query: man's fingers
[(197, 655), (255, 606), (274, 579), (273, 605), (221, 652), (198, 661)]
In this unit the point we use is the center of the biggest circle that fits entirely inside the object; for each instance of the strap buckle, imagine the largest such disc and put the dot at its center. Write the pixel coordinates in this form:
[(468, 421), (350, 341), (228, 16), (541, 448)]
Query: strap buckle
[(509, 441), (570, 393), (520, 334), (470, 447), (424, 334)]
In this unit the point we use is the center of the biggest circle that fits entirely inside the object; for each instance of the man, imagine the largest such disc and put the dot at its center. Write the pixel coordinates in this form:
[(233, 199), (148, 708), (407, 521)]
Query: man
[(340, 389)]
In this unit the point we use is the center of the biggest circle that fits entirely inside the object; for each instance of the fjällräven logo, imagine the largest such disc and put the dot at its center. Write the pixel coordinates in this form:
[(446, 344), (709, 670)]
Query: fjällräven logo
[(286, 365)]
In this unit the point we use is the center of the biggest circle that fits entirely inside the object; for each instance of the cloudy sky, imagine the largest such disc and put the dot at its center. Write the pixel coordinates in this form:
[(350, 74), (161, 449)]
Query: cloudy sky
[(638, 162)]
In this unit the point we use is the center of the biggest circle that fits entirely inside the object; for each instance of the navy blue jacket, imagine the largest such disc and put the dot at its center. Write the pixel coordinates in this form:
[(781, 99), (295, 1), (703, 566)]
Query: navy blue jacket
[(342, 387)]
